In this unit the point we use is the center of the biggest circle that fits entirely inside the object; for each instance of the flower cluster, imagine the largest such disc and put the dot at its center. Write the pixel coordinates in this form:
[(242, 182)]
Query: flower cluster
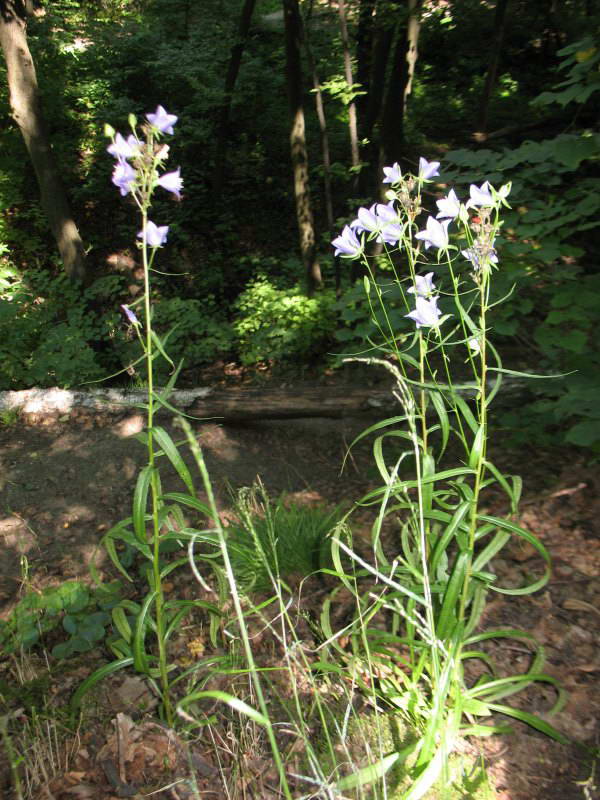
[(140, 177), (394, 224)]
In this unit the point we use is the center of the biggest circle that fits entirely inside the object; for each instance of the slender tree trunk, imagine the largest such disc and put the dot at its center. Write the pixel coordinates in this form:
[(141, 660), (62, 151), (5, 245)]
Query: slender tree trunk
[(235, 60), (325, 154), (364, 59), (293, 37), (399, 86), (27, 113), (492, 71), (352, 124)]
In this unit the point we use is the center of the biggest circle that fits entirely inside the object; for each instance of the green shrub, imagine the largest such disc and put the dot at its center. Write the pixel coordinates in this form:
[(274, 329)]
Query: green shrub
[(274, 323)]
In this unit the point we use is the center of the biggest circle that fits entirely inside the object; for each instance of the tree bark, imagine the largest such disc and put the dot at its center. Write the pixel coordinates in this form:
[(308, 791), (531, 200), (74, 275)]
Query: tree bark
[(233, 68), (352, 124), (325, 154), (492, 71), (364, 59), (399, 86), (27, 113), (299, 153)]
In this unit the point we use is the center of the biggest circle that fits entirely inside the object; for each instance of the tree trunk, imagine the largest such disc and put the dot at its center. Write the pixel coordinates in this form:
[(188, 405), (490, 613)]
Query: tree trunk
[(492, 71), (364, 59), (399, 86), (325, 154), (27, 113), (299, 154), (235, 60), (352, 125)]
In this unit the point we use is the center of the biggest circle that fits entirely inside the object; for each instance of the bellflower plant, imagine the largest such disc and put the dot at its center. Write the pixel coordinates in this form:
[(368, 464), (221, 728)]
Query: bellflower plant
[(435, 580), (157, 518)]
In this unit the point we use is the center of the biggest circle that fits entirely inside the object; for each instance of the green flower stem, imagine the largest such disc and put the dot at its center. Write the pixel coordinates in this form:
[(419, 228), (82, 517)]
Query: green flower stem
[(216, 520), (154, 492), (482, 415)]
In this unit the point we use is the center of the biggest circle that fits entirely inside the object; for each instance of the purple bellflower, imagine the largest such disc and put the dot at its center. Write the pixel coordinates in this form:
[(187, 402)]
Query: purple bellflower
[(435, 234), (161, 120), (449, 207), (124, 176), (347, 245), (423, 287), (172, 182), (380, 219), (130, 315), (428, 169), (154, 235), (392, 174), (480, 195), (123, 148), (426, 314)]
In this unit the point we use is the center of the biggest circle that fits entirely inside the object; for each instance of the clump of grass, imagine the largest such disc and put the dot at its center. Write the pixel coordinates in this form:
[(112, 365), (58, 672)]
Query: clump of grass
[(286, 539)]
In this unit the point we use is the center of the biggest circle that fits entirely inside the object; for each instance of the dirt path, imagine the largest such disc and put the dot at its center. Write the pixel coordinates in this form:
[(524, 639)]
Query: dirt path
[(63, 486)]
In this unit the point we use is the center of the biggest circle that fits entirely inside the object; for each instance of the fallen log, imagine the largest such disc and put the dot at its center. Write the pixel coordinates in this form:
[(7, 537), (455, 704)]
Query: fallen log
[(224, 404)]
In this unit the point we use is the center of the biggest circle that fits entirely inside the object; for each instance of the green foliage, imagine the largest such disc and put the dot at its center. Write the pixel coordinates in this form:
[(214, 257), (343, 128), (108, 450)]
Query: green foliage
[(83, 613), (361, 320), (200, 333), (581, 60), (273, 323), (286, 540)]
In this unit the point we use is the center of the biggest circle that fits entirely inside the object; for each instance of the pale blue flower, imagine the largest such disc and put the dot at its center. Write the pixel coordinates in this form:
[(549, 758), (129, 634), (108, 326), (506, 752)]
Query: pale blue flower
[(392, 174), (449, 207), (130, 315), (123, 148), (124, 176), (381, 219), (480, 195), (366, 220), (347, 245), (154, 235), (428, 169), (424, 286), (161, 120), (435, 234), (172, 182), (426, 313)]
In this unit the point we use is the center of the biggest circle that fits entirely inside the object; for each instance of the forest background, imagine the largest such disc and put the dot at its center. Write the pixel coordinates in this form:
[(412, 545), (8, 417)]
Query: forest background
[(287, 113)]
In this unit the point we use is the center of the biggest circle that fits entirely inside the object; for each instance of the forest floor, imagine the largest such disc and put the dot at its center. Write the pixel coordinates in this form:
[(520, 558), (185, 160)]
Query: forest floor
[(64, 484)]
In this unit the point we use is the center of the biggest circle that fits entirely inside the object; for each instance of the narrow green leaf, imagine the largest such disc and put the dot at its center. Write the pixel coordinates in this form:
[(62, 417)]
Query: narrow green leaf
[(159, 346), (140, 658), (230, 700), (368, 774), (169, 448), (140, 502), (477, 448), (95, 678), (531, 720), (121, 623), (437, 400)]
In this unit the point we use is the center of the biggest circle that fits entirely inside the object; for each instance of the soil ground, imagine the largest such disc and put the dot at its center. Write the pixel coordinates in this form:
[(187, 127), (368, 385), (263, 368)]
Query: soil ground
[(63, 485)]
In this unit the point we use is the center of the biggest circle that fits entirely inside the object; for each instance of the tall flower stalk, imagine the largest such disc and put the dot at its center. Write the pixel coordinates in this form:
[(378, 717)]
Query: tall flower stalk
[(438, 578)]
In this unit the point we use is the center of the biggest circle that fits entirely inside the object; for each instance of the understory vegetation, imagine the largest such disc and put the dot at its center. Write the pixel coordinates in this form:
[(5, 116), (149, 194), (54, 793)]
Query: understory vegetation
[(442, 249)]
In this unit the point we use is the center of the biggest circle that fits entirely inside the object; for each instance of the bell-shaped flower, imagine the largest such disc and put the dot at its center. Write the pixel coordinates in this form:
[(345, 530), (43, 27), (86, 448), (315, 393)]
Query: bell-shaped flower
[(424, 286), (154, 235), (428, 169), (435, 234), (122, 148), (172, 182), (390, 230), (124, 176), (392, 174), (130, 315), (366, 220), (426, 313), (480, 195), (162, 120), (347, 245), (449, 207)]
